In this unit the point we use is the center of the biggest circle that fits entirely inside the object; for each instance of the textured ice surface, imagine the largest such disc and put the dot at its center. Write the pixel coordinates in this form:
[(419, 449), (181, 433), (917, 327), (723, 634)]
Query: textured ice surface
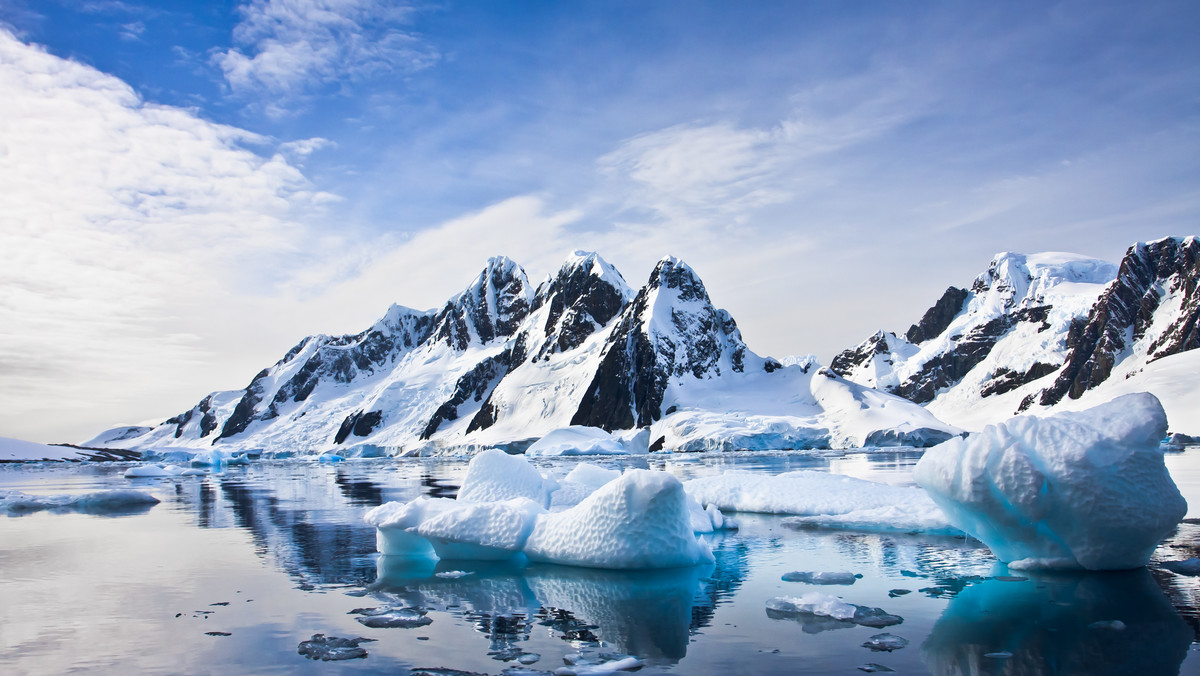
[(393, 520), (639, 520), (152, 471), (495, 475), (481, 530), (99, 502), (1074, 490), (823, 499), (392, 618)]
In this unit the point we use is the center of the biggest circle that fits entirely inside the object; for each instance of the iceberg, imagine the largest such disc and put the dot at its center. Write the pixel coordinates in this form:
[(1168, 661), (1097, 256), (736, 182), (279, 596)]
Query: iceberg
[(636, 520), (1075, 490)]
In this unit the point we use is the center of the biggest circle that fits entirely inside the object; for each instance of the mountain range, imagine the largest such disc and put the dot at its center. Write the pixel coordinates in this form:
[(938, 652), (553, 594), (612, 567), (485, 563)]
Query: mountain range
[(505, 362), (1050, 330)]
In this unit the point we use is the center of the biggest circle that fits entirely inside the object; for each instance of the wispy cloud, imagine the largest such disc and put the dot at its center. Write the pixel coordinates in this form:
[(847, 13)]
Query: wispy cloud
[(287, 48), (123, 225)]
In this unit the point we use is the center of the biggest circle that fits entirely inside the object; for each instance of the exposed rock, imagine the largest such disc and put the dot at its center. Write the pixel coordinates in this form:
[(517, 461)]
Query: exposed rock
[(937, 318)]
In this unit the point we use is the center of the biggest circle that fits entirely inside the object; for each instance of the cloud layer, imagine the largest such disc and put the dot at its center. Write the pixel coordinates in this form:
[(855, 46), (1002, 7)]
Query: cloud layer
[(287, 48)]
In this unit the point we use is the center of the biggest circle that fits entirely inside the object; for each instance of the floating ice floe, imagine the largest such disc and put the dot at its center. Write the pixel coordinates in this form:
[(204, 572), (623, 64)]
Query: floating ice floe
[(1075, 490), (99, 502), (820, 499), (821, 578), (153, 471), (636, 520), (332, 648)]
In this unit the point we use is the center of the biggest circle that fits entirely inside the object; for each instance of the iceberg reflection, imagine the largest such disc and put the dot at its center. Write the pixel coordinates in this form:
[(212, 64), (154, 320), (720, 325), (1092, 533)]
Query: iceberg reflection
[(1076, 623), (650, 614)]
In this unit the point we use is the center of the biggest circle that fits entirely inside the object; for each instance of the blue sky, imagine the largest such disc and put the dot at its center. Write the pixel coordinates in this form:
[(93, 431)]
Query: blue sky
[(197, 185)]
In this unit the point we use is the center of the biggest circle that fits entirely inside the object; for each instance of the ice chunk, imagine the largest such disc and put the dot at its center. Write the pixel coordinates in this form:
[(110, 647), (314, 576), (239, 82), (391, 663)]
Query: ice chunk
[(885, 642), (482, 530), (826, 605), (823, 500), (813, 604), (332, 648), (393, 522), (639, 520), (495, 475), (579, 440), (593, 476), (391, 618), (1075, 490), (600, 665), (121, 501), (821, 578)]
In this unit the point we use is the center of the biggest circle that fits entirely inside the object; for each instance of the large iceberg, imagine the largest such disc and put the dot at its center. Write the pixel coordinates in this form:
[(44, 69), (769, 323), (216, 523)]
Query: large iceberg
[(1076, 490), (637, 520)]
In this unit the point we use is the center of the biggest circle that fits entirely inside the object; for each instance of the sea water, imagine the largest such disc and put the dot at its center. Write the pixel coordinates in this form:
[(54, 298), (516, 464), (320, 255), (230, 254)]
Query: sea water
[(234, 571)]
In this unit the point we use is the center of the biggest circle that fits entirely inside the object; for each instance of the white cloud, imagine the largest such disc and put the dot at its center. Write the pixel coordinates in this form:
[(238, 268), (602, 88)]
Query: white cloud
[(129, 232), (287, 47)]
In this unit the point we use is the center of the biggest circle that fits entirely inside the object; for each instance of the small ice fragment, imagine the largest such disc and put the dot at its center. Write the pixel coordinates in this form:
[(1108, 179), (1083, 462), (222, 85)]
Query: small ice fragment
[(999, 655), (899, 592), (1114, 625), (872, 668), (332, 648), (626, 663), (452, 574), (529, 658), (217, 633), (522, 671), (193, 472), (1186, 567), (821, 578), (885, 642), (391, 618), (824, 605)]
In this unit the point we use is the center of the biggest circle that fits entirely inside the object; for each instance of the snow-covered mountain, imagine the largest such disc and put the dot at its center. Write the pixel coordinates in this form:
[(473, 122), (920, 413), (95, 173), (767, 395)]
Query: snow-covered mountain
[(504, 363), (1044, 330)]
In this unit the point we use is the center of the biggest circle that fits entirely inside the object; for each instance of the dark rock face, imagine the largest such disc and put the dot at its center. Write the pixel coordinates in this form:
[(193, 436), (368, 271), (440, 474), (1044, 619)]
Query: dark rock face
[(359, 424), (638, 360), (848, 360), (1147, 273), (937, 318), (969, 350), (1006, 380), (208, 418), (580, 303), (492, 307)]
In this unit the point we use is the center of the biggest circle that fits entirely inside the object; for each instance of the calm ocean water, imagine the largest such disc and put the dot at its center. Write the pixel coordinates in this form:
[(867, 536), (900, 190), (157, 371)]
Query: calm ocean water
[(232, 571)]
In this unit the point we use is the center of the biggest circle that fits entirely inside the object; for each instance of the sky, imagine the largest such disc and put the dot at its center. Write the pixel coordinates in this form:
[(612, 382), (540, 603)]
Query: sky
[(191, 188)]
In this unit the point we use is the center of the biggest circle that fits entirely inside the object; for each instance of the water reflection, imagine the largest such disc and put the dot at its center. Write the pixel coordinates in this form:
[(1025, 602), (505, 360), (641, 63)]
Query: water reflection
[(651, 614), (1059, 624)]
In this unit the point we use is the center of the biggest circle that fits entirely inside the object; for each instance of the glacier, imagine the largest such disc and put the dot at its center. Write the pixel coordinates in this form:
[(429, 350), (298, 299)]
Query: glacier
[(1076, 490)]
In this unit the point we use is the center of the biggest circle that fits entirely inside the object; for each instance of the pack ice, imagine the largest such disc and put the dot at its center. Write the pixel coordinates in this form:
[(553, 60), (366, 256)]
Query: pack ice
[(636, 520), (1083, 489)]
